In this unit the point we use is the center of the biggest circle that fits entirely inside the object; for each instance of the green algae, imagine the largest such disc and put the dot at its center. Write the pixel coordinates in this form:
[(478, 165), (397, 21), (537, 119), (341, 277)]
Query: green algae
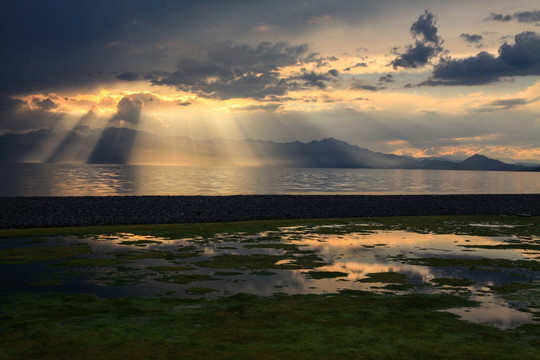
[(513, 287), (452, 281), (184, 278), (167, 268), (156, 254), (121, 279), (41, 253), (325, 274), (385, 277), (227, 273), (139, 242), (491, 225), (518, 246), (90, 262), (398, 287), (194, 290), (46, 282), (280, 246), (139, 255)]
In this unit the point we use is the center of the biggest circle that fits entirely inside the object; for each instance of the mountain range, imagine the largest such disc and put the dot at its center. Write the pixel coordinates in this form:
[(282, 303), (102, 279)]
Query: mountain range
[(115, 145)]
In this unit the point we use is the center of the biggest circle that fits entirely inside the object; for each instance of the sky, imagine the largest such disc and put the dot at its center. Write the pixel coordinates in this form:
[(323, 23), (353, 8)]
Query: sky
[(418, 78)]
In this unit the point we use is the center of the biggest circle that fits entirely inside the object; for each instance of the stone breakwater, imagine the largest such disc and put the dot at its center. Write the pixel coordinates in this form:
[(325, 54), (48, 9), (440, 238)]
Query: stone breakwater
[(25, 212)]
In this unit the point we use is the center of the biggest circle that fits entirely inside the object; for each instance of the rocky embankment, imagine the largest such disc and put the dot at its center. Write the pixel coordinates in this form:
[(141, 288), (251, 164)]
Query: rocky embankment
[(24, 212)]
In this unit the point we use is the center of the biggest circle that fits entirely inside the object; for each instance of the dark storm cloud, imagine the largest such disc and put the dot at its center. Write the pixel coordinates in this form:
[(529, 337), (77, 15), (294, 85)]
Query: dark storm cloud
[(425, 26), (361, 85), (321, 61), (9, 104), (499, 17), (471, 38), (127, 110), (427, 44), (520, 59), (360, 64), (60, 45), (520, 16), (388, 78), (314, 79), (128, 76), (504, 104), (241, 71), (333, 72), (18, 117), (50, 44), (45, 104)]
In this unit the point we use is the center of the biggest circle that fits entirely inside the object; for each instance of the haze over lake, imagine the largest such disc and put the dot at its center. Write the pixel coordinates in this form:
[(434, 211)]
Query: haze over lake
[(26, 179)]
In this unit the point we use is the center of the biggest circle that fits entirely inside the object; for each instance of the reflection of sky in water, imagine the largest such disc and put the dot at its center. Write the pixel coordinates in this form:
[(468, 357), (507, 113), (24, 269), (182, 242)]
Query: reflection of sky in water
[(45, 179), (356, 254)]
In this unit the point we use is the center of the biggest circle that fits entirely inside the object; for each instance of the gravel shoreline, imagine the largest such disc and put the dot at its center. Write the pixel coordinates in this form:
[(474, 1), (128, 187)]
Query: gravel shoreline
[(28, 212)]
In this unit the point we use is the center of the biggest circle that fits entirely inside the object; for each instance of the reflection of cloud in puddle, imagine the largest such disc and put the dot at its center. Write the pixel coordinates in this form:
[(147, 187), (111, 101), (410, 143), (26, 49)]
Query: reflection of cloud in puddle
[(495, 225), (501, 316), (356, 271), (392, 243)]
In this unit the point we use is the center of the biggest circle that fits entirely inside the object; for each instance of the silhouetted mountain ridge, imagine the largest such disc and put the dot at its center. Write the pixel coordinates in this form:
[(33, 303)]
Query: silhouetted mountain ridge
[(115, 145)]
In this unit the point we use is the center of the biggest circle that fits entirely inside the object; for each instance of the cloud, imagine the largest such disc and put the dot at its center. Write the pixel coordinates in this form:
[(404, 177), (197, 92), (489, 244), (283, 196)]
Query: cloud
[(520, 16), (314, 79), (263, 107), (380, 85), (45, 104), (333, 72), (9, 104), (360, 64), (17, 116), (504, 104), (471, 38), (388, 78), (318, 20), (427, 44), (361, 85), (127, 111), (128, 76), (425, 26), (520, 59), (499, 17), (239, 71)]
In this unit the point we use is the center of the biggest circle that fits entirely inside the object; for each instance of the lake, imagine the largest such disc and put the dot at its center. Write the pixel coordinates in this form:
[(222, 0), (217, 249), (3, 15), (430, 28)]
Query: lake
[(28, 179)]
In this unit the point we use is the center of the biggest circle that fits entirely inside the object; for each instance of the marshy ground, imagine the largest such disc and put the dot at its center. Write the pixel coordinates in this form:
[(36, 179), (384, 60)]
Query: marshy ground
[(371, 288)]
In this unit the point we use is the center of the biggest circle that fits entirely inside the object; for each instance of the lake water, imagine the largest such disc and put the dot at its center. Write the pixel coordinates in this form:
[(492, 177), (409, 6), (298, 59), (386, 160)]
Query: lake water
[(91, 180)]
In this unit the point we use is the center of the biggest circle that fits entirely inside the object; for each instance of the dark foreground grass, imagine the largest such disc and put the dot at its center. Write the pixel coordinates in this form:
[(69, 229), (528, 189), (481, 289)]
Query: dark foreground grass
[(463, 224), (347, 325)]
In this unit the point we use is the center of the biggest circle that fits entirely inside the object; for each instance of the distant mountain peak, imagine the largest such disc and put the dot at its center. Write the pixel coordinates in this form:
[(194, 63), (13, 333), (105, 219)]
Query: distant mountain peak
[(481, 162), (478, 157)]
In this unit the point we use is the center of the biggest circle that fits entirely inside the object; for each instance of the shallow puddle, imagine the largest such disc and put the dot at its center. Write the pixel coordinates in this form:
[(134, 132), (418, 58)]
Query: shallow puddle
[(501, 273)]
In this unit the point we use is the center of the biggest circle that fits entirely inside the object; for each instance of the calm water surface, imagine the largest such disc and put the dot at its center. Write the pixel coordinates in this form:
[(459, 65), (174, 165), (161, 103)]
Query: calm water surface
[(88, 180)]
